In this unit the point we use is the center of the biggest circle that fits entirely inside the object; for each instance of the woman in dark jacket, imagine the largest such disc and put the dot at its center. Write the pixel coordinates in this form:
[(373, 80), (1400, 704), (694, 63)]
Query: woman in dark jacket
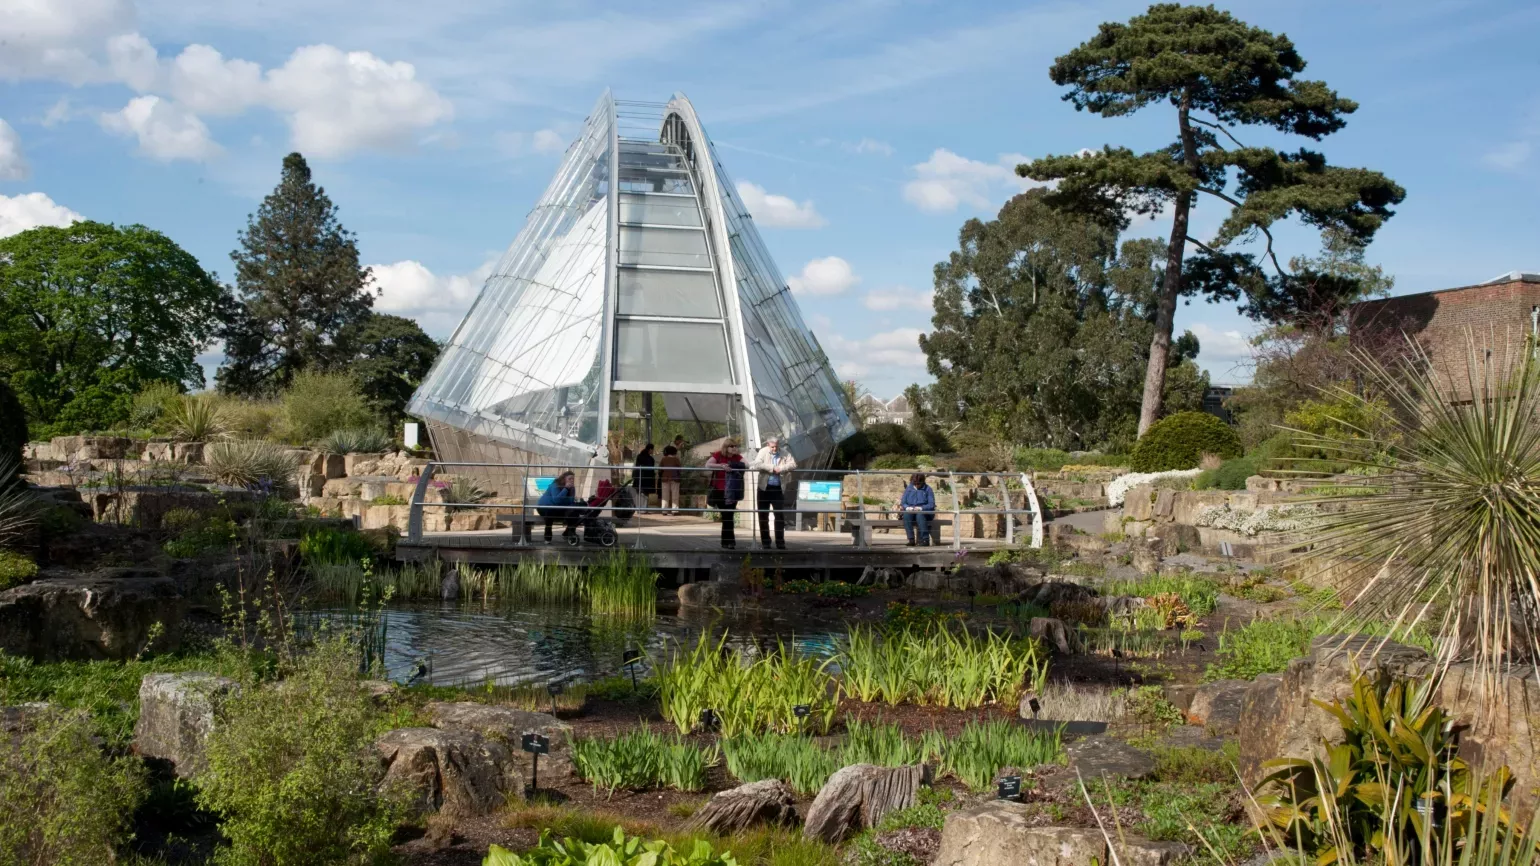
[(725, 498), (919, 505), (645, 475)]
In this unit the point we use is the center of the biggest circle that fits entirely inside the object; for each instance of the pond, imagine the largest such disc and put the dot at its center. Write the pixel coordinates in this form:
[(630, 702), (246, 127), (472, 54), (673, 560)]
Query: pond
[(459, 644)]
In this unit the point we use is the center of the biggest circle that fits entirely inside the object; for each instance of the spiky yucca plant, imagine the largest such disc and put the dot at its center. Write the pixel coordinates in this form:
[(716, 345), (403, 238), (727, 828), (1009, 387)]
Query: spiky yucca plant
[(194, 418), (1440, 523)]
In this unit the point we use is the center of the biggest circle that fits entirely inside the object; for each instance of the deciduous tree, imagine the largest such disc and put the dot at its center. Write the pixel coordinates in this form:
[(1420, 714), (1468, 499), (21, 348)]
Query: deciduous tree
[(388, 356), (1219, 74)]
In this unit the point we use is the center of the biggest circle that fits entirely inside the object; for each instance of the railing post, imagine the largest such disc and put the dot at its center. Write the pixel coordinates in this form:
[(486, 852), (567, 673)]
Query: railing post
[(1007, 505), (414, 513), (956, 511)]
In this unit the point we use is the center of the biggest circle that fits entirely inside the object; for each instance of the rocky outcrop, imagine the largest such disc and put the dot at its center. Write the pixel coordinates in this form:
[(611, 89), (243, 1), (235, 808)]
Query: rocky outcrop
[(176, 714), (457, 772), (508, 726), (1217, 706), (1050, 631), (768, 802), (109, 615), (1000, 831), (1098, 756), (709, 593), (856, 797)]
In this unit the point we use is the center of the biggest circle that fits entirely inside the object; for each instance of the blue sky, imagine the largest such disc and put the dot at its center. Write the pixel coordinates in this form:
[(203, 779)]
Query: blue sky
[(862, 133)]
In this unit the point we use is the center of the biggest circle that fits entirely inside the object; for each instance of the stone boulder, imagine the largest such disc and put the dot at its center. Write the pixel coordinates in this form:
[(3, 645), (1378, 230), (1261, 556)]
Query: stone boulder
[(856, 797), (109, 615), (1217, 706), (709, 593), (1051, 632), (1052, 592), (176, 714), (1098, 756), (457, 772), (765, 802), (508, 726), (884, 577), (1003, 832), (1146, 559)]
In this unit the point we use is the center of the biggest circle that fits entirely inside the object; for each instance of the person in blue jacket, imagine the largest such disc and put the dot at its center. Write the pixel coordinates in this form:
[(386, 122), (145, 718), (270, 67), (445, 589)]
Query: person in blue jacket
[(918, 504), (558, 502)]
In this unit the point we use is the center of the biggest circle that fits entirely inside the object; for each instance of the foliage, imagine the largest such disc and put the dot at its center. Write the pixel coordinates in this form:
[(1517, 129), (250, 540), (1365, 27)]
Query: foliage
[(621, 850), (20, 509), (465, 491), (193, 418), (797, 760), (1338, 415), (62, 801), (205, 533), (1218, 73), (316, 405), (292, 770), (826, 589), (1054, 460), (149, 405), (248, 418), (1200, 594), (89, 312), (745, 696), (1179, 441), (939, 666), (1148, 706), (388, 356), (300, 286), (15, 568), (249, 462), (1363, 793), (1266, 646), (892, 461), (356, 440), (641, 759), (1229, 475), (981, 749), (1041, 327), (622, 584), (328, 546), (13, 429)]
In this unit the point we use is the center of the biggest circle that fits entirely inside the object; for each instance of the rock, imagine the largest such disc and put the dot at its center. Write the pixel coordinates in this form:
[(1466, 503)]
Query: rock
[(19, 719), (1146, 560), (1001, 832), (176, 714), (1180, 695), (1098, 756), (458, 772), (927, 581), (1139, 503), (766, 802), (1050, 631), (509, 725), (884, 577), (1055, 592), (1258, 484), (105, 616), (856, 797), (1165, 498), (187, 452), (377, 690), (1217, 706), (1142, 852), (449, 587), (709, 593)]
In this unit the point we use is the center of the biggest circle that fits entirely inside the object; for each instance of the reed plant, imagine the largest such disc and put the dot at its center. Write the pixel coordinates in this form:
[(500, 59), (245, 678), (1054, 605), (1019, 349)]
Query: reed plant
[(641, 759), (887, 746), (623, 584), (799, 761), (941, 666), (1200, 594), (536, 698), (745, 695), (1113, 641), (981, 749)]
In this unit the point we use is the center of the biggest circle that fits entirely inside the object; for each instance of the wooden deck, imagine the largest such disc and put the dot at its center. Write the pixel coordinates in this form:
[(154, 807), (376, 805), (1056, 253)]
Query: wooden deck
[(690, 543)]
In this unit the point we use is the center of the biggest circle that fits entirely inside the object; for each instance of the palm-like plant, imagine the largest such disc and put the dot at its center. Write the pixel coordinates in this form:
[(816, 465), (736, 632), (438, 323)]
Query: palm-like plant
[(194, 418), (1441, 522), (18, 506)]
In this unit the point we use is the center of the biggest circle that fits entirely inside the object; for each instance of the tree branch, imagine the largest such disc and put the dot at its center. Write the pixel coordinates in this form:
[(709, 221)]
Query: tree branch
[(1272, 256), (1219, 126)]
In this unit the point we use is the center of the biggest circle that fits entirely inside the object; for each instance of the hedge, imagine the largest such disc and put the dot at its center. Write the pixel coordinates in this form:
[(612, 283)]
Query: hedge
[(1179, 442)]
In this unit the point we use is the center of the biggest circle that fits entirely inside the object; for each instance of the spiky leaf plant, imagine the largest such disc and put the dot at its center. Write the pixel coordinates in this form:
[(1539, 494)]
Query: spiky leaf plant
[(1440, 521)]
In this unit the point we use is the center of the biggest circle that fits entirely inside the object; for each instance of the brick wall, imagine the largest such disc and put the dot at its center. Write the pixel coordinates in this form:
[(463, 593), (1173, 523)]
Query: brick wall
[(1497, 315)]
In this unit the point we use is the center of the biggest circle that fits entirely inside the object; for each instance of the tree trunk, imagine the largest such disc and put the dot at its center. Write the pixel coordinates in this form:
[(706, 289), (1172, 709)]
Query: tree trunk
[(1165, 318)]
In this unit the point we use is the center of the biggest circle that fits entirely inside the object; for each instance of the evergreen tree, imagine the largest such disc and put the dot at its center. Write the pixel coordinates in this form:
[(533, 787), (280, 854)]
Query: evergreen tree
[(300, 285), (388, 356), (1219, 74)]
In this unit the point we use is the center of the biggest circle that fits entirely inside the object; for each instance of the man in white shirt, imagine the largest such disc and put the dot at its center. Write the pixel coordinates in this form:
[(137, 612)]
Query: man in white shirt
[(774, 467)]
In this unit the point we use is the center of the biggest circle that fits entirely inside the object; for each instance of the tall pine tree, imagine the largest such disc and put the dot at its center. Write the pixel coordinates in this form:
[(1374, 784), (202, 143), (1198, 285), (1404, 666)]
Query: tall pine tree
[(300, 285)]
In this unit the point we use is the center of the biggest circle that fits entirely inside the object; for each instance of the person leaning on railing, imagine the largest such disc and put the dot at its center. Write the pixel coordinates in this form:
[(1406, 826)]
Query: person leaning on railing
[(918, 504), (774, 466)]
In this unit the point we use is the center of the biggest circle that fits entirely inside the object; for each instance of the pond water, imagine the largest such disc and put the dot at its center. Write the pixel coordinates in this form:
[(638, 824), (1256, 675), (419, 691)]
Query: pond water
[(471, 645)]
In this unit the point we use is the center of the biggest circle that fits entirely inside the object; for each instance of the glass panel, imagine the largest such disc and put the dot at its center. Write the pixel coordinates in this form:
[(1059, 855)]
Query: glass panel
[(672, 352), (669, 293), (677, 247), (660, 210)]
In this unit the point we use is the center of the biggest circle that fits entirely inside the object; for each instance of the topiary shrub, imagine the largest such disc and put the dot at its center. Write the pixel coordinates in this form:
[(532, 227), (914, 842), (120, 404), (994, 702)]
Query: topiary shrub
[(1179, 441)]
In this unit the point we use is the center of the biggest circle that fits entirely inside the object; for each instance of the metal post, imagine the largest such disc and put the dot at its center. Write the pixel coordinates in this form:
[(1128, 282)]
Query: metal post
[(1010, 517), (414, 513), (860, 510), (956, 512)]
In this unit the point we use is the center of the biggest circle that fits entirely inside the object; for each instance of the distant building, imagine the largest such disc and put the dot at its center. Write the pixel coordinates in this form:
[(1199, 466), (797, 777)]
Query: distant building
[(878, 411), (1214, 401)]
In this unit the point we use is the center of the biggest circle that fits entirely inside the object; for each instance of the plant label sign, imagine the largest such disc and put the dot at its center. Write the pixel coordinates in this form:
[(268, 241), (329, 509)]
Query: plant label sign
[(631, 657), (537, 744), (553, 689), (802, 711), (1010, 788), (708, 719)]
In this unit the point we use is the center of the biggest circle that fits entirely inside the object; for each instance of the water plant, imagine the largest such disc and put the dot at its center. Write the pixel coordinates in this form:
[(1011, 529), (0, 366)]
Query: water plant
[(799, 761), (642, 759), (981, 749), (624, 584), (942, 666), (745, 696)]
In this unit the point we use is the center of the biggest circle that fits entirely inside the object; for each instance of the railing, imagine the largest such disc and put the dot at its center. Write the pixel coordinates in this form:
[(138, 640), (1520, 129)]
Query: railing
[(514, 483)]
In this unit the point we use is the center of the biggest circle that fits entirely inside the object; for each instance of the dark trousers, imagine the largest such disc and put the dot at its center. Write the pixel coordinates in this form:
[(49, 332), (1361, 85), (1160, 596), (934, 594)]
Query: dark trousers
[(772, 497), (715, 500), (568, 516), (917, 526)]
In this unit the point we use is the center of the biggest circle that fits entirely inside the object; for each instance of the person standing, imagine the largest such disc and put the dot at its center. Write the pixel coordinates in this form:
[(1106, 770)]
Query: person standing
[(726, 487), (774, 466), (670, 476), (645, 475), (919, 504)]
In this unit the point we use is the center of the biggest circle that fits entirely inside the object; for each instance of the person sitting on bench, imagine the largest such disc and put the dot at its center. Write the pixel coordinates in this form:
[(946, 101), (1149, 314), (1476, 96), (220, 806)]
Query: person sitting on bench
[(918, 504), (557, 503)]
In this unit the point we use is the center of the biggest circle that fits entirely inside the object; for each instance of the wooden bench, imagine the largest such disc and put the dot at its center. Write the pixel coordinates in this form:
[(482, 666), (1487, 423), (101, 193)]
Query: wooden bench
[(860, 528), (524, 524)]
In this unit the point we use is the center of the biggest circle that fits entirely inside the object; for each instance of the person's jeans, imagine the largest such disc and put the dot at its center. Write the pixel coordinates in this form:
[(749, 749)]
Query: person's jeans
[(671, 496), (917, 526), (772, 497), (568, 516)]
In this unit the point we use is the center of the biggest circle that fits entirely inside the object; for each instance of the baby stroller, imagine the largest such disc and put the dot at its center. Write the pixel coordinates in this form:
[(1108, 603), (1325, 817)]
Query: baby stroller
[(596, 529)]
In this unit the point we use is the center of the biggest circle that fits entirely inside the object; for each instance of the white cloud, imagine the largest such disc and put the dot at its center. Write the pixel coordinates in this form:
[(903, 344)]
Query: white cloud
[(1216, 347), (165, 130), (339, 102), (548, 141), (777, 211), (204, 81), (13, 163), (830, 275), (947, 180), (30, 210), (541, 141), (60, 38), (408, 287), (134, 61), (899, 298), (57, 113), (870, 145), (883, 353), (1509, 156)]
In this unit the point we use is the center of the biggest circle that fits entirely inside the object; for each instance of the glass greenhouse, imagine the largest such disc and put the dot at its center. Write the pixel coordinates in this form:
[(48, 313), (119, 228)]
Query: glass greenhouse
[(637, 292)]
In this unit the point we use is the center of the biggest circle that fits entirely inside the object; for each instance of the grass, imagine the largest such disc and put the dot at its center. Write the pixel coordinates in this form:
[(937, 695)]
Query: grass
[(763, 846), (641, 759), (978, 753), (1266, 646), (1068, 702), (745, 697), (1200, 594), (799, 761), (939, 666)]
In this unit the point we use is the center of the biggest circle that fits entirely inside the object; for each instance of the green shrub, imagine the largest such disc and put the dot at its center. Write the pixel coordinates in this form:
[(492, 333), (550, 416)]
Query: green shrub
[(639, 760), (329, 546), (204, 534), (252, 419), (292, 770), (13, 427), (249, 462), (1179, 441), (151, 403), (1231, 474), (356, 440), (1266, 646), (315, 405), (15, 567), (62, 801), (1200, 594), (622, 850), (939, 666), (745, 696), (978, 753), (890, 462)]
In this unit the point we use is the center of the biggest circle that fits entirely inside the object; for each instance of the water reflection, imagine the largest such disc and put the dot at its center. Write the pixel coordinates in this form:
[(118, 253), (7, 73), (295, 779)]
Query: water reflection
[(471, 645)]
